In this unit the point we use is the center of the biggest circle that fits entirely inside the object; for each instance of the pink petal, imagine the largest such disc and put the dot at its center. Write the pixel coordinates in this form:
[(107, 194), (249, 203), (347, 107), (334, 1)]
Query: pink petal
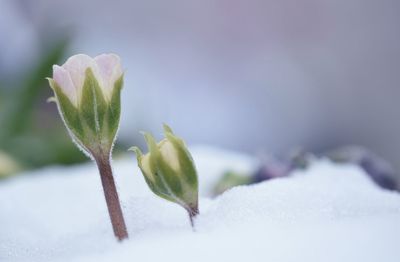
[(76, 66), (110, 70), (63, 79)]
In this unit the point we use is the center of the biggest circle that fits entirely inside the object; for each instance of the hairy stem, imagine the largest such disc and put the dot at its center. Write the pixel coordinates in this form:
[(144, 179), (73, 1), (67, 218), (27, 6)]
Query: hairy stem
[(192, 211), (112, 200)]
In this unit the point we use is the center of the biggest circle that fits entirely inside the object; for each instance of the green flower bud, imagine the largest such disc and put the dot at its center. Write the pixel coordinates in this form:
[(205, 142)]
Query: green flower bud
[(169, 170)]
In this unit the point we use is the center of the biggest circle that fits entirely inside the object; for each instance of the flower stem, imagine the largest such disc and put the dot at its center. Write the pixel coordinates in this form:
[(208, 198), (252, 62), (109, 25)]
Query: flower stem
[(112, 200), (192, 213)]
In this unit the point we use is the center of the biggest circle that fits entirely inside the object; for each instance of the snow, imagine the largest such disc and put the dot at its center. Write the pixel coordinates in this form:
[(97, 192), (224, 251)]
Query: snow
[(327, 213)]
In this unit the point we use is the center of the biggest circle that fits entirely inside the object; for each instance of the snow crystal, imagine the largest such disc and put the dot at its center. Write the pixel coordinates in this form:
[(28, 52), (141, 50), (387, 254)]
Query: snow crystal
[(327, 213)]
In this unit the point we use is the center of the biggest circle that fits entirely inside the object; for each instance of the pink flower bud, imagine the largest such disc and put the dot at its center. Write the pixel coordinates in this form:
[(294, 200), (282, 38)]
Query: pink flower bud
[(70, 77)]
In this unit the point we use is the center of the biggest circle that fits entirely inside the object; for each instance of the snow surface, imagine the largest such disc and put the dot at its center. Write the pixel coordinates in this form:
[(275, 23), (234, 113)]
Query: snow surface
[(327, 213)]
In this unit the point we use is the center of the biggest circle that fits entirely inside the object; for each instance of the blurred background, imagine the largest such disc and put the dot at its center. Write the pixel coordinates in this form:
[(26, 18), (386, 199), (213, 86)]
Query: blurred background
[(258, 76)]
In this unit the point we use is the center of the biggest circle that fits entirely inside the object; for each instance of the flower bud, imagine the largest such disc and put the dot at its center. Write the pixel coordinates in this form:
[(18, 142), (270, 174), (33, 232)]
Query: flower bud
[(87, 92), (169, 170)]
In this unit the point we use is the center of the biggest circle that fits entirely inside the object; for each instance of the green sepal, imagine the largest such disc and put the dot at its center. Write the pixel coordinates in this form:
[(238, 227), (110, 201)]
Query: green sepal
[(138, 153), (139, 156), (92, 104), (68, 111), (156, 184), (114, 109), (159, 187), (166, 182), (188, 173), (186, 162), (152, 147), (167, 129), (159, 184), (172, 179)]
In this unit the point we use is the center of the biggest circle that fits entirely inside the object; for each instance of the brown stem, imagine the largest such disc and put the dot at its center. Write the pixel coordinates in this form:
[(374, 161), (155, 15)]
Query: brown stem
[(111, 195), (192, 211)]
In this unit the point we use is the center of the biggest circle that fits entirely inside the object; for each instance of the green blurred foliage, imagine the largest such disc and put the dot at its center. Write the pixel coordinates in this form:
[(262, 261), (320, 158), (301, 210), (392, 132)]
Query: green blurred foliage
[(31, 132), (229, 180)]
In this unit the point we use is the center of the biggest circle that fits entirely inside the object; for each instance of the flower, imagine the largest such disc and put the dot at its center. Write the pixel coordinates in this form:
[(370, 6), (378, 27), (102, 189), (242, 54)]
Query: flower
[(169, 170), (87, 92)]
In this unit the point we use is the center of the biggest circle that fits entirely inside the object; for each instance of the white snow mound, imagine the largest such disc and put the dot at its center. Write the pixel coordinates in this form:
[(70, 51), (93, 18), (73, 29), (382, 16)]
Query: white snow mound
[(327, 213)]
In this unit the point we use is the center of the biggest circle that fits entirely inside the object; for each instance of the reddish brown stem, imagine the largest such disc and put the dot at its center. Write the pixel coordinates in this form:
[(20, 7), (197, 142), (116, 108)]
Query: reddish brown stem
[(192, 213), (112, 200)]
